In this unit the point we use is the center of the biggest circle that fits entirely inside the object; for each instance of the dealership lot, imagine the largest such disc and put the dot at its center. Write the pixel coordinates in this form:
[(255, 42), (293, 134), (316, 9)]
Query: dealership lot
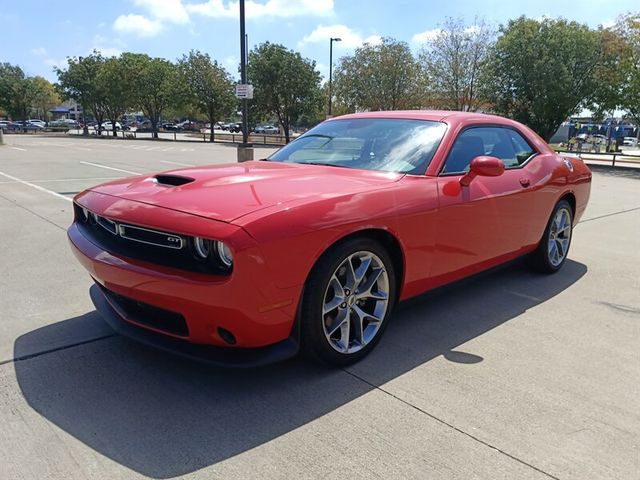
[(511, 375)]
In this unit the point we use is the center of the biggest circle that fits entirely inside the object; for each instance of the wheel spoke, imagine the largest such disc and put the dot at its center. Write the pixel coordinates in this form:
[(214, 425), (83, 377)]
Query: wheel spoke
[(345, 332), (368, 316), (338, 296), (341, 318), (361, 271), (350, 281), (357, 318), (364, 291)]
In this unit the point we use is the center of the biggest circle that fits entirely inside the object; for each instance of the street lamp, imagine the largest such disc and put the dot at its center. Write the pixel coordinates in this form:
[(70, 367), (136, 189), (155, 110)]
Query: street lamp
[(331, 40)]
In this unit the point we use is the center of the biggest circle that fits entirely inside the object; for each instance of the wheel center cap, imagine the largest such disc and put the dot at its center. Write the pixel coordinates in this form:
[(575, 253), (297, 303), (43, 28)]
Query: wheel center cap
[(351, 300)]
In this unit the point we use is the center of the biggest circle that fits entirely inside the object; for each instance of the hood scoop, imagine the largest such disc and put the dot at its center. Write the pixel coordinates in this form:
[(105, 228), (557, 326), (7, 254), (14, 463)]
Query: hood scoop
[(172, 180)]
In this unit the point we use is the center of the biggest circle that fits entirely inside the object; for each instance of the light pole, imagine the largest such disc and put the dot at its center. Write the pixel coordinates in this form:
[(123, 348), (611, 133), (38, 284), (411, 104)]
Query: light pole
[(245, 151), (331, 40)]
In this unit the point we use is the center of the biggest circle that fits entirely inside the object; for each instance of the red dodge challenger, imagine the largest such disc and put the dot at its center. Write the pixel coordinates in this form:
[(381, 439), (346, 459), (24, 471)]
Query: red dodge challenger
[(311, 248)]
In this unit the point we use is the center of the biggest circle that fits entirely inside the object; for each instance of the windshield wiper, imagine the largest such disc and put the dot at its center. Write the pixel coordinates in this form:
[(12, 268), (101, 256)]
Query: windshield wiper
[(323, 164)]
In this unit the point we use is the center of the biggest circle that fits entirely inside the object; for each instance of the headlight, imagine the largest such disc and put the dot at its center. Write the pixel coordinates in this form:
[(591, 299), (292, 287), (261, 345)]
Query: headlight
[(202, 246), (224, 254)]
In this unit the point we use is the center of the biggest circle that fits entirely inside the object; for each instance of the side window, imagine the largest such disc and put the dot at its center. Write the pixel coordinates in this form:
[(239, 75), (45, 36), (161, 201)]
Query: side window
[(523, 150), (503, 143), (475, 142)]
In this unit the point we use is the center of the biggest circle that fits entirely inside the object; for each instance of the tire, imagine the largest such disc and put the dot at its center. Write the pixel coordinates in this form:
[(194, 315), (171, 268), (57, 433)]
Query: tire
[(553, 249), (344, 315)]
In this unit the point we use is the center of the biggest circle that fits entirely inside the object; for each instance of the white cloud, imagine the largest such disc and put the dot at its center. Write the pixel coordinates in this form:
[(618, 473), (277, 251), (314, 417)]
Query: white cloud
[(426, 36), (272, 8), (170, 11), (231, 64), (472, 30), (40, 51), (607, 24), (137, 25), (107, 46), (350, 38), (56, 62)]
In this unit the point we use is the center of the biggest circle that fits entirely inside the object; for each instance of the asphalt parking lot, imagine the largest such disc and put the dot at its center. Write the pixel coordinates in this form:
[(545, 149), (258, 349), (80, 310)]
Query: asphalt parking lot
[(511, 375)]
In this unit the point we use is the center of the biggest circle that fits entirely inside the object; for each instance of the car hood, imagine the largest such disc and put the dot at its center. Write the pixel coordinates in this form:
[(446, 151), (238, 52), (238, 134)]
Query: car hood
[(227, 192)]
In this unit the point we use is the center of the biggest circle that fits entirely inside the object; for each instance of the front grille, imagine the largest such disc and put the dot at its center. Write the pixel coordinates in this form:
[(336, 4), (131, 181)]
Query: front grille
[(149, 315), (152, 246), (150, 237)]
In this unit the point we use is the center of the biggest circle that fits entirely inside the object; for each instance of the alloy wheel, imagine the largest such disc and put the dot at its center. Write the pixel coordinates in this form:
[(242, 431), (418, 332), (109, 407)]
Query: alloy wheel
[(559, 236), (355, 302)]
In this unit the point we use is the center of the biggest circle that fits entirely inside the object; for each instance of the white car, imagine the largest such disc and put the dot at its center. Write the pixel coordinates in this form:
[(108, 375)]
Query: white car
[(109, 126), (37, 122), (630, 141)]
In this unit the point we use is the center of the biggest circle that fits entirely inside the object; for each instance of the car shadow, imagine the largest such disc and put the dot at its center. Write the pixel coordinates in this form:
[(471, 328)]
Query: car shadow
[(164, 417)]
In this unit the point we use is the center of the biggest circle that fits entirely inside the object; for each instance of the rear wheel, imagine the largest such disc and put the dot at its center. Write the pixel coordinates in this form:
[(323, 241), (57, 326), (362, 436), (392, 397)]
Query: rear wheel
[(554, 247), (348, 299)]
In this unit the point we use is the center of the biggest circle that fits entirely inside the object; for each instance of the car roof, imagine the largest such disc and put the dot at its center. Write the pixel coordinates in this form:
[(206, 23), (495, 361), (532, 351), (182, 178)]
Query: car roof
[(447, 116)]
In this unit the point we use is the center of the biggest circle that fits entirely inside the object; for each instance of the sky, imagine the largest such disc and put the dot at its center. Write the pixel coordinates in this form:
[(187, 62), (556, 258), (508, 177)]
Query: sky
[(39, 34)]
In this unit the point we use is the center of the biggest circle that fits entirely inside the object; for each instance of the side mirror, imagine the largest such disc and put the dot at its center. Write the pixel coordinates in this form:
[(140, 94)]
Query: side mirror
[(485, 167)]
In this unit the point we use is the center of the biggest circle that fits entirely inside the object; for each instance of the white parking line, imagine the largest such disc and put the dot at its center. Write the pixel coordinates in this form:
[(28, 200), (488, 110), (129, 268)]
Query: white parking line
[(21, 149), (178, 163), (72, 179), (33, 185), (111, 168)]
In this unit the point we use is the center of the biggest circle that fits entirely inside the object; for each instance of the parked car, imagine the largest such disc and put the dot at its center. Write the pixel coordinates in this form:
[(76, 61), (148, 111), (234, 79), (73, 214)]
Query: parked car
[(235, 127), (4, 124), (109, 126), (630, 141), (169, 126), (189, 126), (327, 234), (144, 126), (266, 129), (37, 122)]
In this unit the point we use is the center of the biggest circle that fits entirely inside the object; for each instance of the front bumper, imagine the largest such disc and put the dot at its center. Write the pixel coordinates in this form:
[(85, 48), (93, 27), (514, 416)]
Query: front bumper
[(246, 303), (215, 356)]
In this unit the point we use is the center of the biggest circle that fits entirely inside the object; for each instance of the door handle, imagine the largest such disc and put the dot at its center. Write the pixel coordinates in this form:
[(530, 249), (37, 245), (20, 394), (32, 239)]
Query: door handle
[(525, 182)]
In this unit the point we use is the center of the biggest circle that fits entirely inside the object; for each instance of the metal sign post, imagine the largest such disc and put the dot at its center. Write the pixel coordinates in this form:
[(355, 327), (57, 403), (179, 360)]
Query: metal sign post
[(245, 151)]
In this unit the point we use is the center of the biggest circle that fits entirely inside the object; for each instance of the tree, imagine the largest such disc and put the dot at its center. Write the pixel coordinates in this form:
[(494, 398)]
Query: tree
[(285, 84), (17, 91), (115, 82), (452, 64), (378, 77), (210, 86), (618, 79), (80, 82), (541, 72), (45, 96), (155, 85)]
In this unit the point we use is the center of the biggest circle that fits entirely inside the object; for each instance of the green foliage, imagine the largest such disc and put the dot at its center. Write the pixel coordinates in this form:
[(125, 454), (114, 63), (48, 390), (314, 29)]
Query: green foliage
[(45, 97), (79, 81), (17, 91), (378, 77), (452, 65), (285, 84), (115, 81), (155, 85), (209, 86), (619, 78), (541, 72)]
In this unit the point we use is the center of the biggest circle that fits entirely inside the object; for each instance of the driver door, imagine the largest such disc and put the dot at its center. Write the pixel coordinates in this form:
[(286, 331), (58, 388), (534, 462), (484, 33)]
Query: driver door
[(481, 224)]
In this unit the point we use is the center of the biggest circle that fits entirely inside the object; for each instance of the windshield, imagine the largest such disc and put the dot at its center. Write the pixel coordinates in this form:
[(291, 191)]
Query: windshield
[(387, 144)]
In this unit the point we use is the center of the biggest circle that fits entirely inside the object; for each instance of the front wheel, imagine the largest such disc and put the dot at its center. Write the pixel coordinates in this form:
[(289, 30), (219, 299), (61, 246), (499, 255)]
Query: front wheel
[(554, 247), (347, 301)]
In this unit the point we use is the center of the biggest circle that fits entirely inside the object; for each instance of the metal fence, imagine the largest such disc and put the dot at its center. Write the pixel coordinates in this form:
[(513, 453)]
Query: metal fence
[(620, 157)]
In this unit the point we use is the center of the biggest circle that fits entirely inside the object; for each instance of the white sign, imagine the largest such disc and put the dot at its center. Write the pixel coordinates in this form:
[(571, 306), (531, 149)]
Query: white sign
[(244, 90)]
